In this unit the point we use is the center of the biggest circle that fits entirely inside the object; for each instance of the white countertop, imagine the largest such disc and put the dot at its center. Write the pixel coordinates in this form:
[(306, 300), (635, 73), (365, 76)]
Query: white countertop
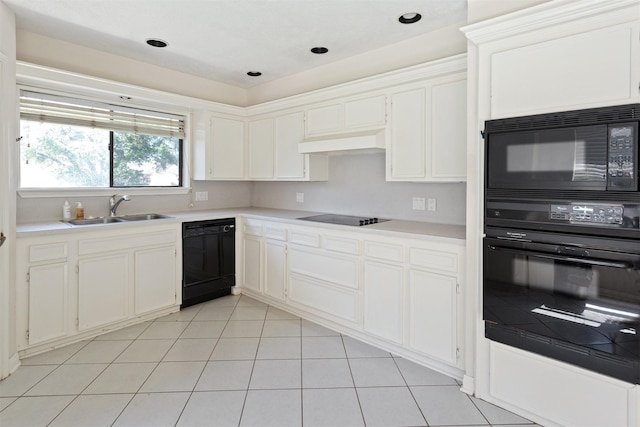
[(411, 228)]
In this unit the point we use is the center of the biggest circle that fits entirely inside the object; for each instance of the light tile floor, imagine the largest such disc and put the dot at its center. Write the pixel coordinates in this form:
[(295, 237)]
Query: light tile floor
[(234, 361)]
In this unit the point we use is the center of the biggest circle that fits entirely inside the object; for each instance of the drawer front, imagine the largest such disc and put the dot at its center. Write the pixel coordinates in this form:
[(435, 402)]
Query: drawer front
[(384, 251), (319, 297), (304, 238), (275, 233), (338, 270), (341, 244), (434, 260), (48, 252), (126, 242), (252, 230)]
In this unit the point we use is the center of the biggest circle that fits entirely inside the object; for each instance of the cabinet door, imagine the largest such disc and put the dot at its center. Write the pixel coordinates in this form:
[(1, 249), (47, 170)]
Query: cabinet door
[(226, 154), (103, 286), (367, 112), (408, 158), (544, 77), (251, 258), (274, 268), (155, 279), (289, 133), (324, 120), (432, 315), (261, 149), (448, 142), (383, 297), (48, 296)]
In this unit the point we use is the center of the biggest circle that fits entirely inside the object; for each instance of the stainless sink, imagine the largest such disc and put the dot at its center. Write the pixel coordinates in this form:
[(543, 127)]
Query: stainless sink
[(143, 217), (91, 221), (112, 219)]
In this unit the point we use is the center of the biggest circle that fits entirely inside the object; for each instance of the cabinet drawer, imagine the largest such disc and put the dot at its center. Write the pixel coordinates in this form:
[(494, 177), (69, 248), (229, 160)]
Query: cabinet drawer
[(384, 251), (433, 260), (125, 242), (275, 233), (340, 244), (252, 230), (335, 269), (47, 252), (317, 296), (303, 238)]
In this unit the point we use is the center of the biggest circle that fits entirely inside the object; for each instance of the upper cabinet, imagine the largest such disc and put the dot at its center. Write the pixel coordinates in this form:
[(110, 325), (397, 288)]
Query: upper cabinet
[(273, 150), (347, 115), (218, 147), (557, 59), (418, 115), (428, 131)]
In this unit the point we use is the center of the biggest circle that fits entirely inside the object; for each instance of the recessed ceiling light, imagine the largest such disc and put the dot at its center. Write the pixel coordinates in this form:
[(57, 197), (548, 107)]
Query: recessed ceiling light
[(409, 18), (157, 43), (319, 50), (254, 73)]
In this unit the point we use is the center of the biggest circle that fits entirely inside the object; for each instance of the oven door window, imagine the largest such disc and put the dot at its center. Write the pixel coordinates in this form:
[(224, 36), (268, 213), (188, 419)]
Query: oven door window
[(592, 303), (570, 158)]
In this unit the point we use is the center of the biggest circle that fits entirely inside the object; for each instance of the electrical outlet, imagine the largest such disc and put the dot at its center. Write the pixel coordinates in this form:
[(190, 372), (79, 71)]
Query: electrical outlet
[(300, 197), (202, 196), (431, 204), (418, 203)]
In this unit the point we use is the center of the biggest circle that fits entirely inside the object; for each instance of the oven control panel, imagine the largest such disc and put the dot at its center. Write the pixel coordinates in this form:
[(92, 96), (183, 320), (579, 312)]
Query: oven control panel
[(590, 213)]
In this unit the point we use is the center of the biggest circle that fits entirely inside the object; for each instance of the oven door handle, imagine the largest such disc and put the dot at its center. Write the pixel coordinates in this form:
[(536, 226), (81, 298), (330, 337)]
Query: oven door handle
[(593, 262)]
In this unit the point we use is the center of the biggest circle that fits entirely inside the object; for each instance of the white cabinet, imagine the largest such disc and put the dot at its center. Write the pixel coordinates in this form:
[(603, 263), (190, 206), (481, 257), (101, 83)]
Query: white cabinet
[(384, 300), (347, 115), (273, 150), (261, 149), (407, 151), (428, 132), (80, 284), (44, 310), (432, 314), (155, 278), (219, 147), (103, 290), (601, 68), (274, 268)]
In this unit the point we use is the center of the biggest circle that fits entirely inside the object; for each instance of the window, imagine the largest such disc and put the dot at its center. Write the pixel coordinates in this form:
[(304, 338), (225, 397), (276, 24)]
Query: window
[(68, 143)]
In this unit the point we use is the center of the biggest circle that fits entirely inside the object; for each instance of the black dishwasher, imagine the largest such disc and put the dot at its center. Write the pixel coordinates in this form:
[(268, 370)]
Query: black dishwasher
[(208, 259)]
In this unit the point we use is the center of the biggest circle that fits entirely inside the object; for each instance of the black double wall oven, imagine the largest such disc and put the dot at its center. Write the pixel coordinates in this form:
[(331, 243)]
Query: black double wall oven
[(561, 255)]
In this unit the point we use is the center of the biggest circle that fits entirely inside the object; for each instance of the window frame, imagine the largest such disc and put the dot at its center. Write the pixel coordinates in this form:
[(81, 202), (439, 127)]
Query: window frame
[(148, 99)]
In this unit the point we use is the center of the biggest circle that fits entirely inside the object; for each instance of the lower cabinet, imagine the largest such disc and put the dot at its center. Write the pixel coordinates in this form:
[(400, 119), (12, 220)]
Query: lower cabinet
[(274, 268), (384, 300), (84, 283), (103, 287), (399, 291), (48, 296), (155, 273), (432, 315)]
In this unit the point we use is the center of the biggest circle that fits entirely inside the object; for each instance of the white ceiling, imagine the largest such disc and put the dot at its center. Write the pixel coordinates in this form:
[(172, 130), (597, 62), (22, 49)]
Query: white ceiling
[(224, 39)]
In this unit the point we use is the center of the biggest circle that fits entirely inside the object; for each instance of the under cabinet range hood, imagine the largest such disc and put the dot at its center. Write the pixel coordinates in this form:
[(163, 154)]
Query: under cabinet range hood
[(367, 140)]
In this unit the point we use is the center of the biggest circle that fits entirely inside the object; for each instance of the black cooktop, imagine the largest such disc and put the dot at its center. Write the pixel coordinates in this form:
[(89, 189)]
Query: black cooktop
[(343, 219)]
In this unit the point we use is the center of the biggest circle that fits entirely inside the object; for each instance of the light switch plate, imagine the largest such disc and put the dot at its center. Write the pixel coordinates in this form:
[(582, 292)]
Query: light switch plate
[(418, 203), (300, 197), (431, 204)]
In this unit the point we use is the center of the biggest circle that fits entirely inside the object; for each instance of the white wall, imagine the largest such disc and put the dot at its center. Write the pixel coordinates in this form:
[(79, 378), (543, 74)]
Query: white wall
[(357, 186)]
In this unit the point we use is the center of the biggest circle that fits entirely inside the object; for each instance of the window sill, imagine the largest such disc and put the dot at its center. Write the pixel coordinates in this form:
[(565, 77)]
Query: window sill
[(33, 193)]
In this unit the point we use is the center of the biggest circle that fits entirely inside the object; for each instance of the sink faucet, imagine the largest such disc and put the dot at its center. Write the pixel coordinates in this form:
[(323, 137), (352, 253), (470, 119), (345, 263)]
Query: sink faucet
[(114, 203)]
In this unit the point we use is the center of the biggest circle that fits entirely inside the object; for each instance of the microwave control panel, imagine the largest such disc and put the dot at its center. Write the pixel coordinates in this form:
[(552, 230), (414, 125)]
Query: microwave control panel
[(621, 169)]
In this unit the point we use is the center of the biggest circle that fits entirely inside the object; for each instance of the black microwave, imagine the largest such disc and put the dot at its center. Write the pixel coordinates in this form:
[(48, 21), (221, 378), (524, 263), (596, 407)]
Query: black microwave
[(586, 150)]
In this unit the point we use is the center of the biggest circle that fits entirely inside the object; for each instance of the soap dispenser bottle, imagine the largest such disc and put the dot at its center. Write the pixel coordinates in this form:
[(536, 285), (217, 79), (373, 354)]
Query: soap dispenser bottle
[(79, 211), (66, 211)]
